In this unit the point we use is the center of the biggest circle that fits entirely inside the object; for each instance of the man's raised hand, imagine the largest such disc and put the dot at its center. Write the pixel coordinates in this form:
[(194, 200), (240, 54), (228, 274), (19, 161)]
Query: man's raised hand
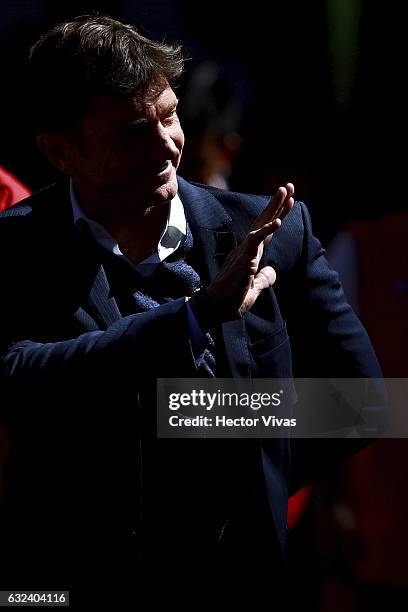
[(239, 282)]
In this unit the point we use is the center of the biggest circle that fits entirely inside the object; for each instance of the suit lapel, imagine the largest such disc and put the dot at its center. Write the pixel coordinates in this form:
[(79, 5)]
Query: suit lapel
[(213, 239), (78, 259), (104, 305)]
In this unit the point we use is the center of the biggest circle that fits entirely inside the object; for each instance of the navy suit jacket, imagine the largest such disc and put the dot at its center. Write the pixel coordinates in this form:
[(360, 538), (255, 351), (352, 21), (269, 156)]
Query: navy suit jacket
[(86, 472)]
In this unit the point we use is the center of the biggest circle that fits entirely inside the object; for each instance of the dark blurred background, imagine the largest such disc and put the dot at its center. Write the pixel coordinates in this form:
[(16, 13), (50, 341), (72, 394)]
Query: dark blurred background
[(309, 92)]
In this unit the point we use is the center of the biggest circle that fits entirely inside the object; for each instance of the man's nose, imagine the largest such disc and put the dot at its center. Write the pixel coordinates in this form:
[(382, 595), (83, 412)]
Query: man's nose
[(162, 141)]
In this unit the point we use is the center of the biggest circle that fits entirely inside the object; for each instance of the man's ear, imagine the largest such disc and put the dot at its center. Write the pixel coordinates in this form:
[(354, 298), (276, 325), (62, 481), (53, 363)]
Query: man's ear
[(56, 148)]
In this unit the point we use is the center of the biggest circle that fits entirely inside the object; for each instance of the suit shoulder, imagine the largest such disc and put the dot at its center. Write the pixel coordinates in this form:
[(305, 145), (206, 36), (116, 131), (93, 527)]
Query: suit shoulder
[(237, 201), (24, 208), (18, 226), (251, 205), (21, 209), (252, 201)]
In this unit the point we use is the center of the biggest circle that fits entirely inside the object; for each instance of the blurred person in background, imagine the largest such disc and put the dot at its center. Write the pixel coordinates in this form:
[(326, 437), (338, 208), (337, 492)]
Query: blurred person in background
[(212, 113)]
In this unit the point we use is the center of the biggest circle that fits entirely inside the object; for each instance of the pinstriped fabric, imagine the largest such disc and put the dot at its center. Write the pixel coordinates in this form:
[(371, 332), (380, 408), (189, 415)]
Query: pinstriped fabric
[(174, 278)]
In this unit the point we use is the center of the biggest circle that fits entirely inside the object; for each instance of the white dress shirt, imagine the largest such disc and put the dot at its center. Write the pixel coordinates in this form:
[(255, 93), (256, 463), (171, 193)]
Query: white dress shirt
[(172, 236)]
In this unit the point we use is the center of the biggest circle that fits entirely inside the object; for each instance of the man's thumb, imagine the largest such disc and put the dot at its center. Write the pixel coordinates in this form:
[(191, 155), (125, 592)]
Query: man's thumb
[(265, 278)]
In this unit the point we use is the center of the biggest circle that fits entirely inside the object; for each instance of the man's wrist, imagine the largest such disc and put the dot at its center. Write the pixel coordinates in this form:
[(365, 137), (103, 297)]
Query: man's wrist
[(206, 308)]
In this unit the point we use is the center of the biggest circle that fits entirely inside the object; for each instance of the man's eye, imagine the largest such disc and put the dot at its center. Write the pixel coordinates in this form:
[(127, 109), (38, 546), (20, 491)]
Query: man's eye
[(170, 117)]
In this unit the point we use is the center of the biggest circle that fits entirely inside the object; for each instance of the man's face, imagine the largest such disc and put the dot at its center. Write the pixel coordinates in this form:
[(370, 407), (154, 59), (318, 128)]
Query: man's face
[(128, 151)]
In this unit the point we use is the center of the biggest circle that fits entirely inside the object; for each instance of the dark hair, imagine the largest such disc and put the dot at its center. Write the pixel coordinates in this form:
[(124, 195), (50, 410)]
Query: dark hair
[(90, 55)]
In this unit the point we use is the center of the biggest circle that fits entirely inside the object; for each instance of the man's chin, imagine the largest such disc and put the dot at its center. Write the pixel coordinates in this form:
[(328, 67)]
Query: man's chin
[(165, 192), (144, 195)]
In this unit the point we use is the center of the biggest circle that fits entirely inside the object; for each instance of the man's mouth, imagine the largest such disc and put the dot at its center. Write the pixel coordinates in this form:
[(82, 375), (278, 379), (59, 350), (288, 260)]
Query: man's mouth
[(165, 167), (158, 170)]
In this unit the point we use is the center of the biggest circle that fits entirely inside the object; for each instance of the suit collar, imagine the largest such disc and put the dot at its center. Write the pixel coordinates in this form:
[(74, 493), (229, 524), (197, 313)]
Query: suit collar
[(202, 208), (213, 239)]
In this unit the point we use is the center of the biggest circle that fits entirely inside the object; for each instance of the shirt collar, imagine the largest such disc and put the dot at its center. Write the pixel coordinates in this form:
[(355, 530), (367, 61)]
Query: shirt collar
[(170, 239)]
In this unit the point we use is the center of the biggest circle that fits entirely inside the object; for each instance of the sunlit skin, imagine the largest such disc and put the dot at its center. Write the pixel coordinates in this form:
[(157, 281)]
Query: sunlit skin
[(122, 158)]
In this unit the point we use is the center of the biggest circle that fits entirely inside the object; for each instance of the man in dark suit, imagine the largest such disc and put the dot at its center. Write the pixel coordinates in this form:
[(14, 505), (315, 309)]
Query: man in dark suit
[(124, 273)]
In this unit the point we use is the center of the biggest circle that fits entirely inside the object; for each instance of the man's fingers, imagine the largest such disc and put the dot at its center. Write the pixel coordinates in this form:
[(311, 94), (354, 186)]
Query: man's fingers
[(255, 237), (287, 203), (277, 204), (287, 207), (290, 189), (276, 207), (264, 233), (264, 278), (271, 212)]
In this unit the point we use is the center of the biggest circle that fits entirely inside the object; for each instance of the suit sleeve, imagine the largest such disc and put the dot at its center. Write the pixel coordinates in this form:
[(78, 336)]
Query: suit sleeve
[(143, 343), (328, 341)]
